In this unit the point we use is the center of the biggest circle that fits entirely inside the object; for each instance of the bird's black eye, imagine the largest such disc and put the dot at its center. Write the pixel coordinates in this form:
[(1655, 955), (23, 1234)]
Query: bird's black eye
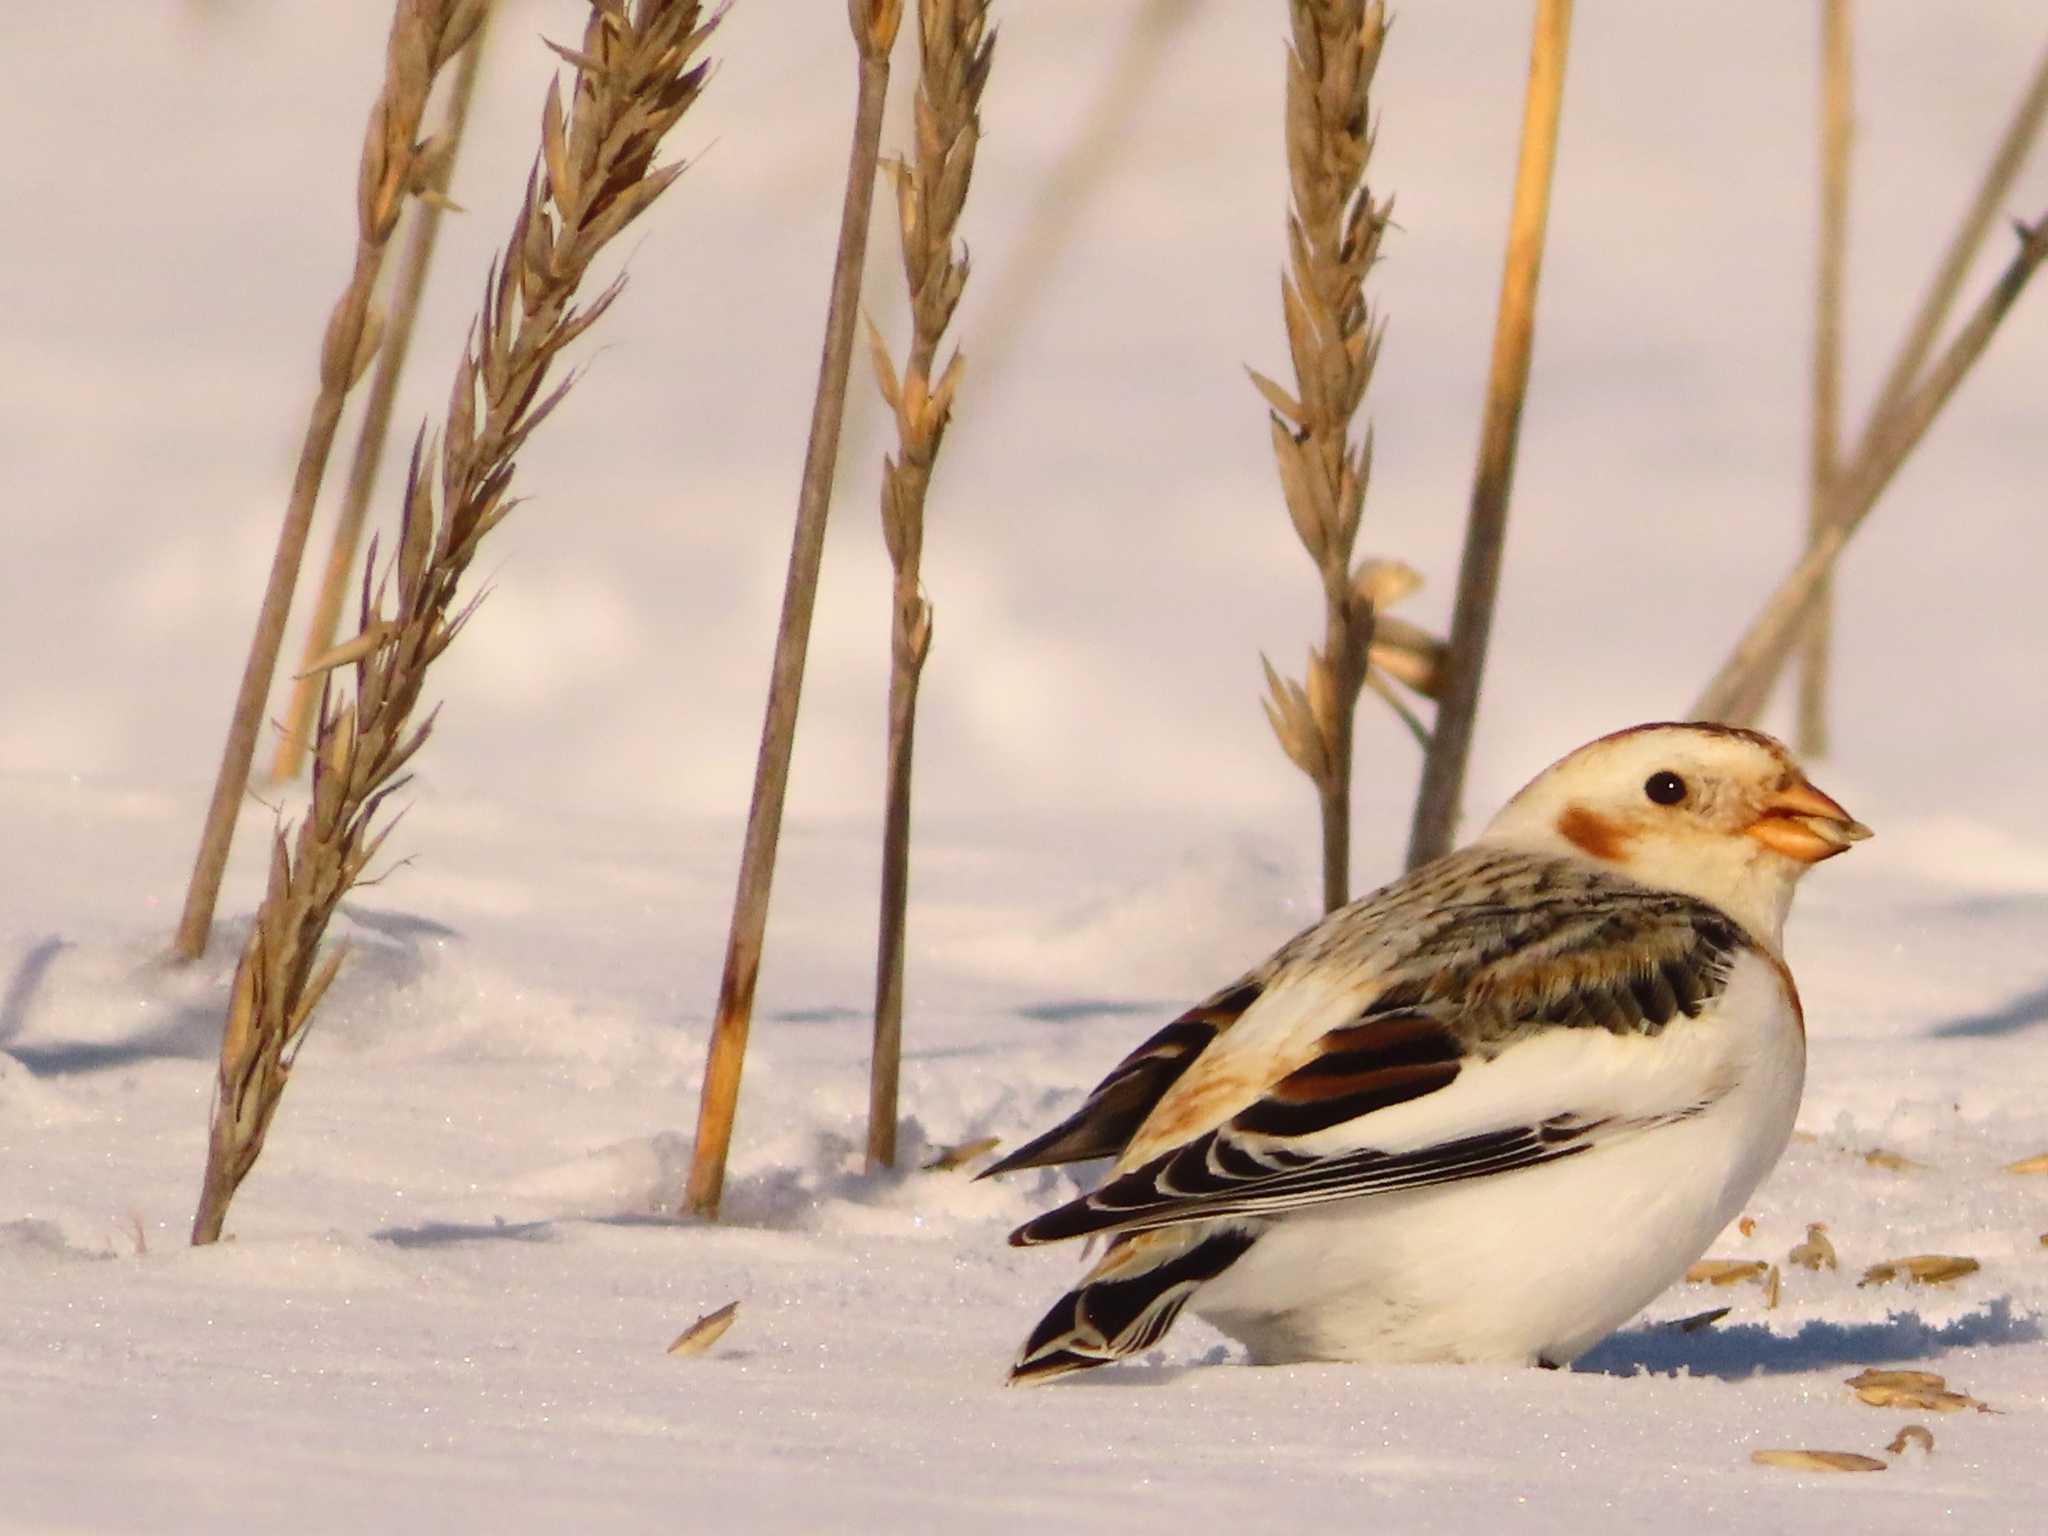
[(1666, 788)]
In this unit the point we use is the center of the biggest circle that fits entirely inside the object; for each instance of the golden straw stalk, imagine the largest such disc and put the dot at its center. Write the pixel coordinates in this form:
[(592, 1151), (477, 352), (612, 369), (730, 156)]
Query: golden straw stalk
[(874, 25), (1514, 342)]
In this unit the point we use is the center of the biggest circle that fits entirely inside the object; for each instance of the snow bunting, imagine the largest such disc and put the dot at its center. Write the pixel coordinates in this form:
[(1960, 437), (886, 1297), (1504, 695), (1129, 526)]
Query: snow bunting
[(1486, 1113)]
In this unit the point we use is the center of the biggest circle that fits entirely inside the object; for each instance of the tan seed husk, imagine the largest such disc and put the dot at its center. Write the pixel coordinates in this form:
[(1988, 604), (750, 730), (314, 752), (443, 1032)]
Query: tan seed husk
[(704, 1332), (1928, 1380), (1895, 1162), (1725, 1271), (1921, 1269), (1817, 1461), (1816, 1252), (1912, 1434), (2035, 1164), (1911, 1389), (964, 1153), (1774, 1287)]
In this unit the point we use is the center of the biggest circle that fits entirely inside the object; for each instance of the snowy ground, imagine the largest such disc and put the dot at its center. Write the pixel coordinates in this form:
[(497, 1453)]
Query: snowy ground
[(451, 1283)]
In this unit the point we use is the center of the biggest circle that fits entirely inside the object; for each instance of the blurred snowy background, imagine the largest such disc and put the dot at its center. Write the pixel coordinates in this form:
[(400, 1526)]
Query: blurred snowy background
[(1108, 551)]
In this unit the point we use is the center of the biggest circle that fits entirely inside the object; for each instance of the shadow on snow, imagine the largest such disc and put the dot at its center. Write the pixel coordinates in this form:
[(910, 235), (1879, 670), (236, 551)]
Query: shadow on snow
[(1748, 1349)]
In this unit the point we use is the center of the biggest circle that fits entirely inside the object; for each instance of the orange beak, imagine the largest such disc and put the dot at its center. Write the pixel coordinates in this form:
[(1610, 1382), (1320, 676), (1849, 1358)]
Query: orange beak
[(1804, 824)]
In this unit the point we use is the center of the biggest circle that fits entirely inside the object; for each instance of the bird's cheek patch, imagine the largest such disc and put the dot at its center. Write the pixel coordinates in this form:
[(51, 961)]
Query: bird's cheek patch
[(1593, 834)]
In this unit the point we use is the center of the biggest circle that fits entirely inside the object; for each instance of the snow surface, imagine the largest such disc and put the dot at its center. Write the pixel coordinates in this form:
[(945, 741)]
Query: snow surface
[(452, 1279)]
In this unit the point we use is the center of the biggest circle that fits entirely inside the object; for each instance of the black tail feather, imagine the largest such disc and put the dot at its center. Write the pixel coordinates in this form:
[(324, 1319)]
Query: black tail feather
[(1127, 1302)]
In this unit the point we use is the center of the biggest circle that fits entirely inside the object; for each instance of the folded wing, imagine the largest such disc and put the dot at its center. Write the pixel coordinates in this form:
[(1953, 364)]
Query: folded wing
[(1408, 1094)]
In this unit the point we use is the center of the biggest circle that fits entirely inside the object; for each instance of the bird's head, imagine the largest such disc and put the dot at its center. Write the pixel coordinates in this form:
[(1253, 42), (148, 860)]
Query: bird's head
[(1716, 812)]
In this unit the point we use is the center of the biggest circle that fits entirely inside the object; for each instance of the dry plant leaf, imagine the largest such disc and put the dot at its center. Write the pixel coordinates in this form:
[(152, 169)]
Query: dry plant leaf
[(1817, 1461), (1921, 1269), (1897, 1162), (1725, 1271), (1746, 1226), (704, 1332), (1816, 1252), (2038, 1164), (1912, 1434), (1911, 1389), (966, 1152), (1701, 1320)]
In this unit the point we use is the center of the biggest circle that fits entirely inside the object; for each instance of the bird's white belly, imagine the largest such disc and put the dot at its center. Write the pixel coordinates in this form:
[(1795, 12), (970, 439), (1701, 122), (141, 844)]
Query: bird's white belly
[(1538, 1264)]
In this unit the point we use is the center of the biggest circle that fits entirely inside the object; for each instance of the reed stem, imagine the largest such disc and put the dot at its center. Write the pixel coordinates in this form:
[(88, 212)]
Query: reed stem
[(1837, 126), (1514, 334), (874, 25)]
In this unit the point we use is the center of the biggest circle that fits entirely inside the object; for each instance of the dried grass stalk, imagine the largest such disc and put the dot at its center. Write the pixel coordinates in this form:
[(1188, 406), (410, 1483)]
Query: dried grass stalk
[(1911, 397), (1085, 167), (874, 25), (956, 47), (594, 175), (1738, 691), (425, 35), (1334, 230), (1836, 129), (1514, 336), (409, 284)]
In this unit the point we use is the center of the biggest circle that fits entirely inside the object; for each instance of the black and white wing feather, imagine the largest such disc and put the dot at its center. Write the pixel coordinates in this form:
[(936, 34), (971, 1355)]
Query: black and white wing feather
[(1569, 973)]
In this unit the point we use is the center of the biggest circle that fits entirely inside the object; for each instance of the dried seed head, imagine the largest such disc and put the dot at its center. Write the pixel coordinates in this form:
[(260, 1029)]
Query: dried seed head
[(1384, 583)]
